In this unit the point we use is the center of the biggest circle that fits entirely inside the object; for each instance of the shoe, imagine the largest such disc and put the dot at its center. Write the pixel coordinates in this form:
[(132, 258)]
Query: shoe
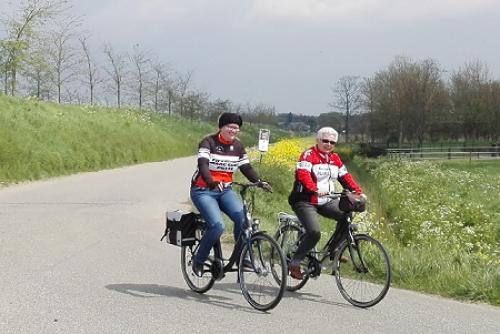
[(295, 272), (343, 259), (197, 268)]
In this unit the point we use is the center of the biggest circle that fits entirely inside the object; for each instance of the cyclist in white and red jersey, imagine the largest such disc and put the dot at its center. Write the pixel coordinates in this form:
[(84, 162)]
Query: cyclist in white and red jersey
[(219, 156), (317, 171)]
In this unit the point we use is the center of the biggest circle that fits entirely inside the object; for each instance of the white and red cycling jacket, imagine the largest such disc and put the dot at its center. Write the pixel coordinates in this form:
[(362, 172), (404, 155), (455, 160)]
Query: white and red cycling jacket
[(317, 172)]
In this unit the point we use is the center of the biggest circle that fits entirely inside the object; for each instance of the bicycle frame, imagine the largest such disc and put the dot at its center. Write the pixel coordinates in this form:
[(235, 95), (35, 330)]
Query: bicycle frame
[(326, 253)]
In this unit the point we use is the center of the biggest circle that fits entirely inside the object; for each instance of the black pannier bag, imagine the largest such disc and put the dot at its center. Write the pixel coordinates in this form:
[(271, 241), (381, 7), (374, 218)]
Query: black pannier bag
[(181, 228)]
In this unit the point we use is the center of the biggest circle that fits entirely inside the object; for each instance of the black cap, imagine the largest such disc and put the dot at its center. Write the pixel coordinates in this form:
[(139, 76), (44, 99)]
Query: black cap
[(230, 118)]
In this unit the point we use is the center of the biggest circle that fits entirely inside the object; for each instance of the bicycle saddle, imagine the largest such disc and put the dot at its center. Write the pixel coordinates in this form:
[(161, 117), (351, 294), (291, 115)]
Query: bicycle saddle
[(282, 216)]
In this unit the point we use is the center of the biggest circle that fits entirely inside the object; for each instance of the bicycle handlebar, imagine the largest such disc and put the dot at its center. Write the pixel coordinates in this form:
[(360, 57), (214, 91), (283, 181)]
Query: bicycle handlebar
[(335, 195), (245, 186)]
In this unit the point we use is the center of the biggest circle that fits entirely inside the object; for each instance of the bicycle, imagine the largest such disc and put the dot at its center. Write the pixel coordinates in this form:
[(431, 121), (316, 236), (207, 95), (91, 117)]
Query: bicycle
[(262, 279), (363, 280)]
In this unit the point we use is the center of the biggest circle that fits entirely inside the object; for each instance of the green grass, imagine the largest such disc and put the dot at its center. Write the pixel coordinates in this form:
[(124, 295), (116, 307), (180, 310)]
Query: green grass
[(488, 166), (40, 139), (440, 222)]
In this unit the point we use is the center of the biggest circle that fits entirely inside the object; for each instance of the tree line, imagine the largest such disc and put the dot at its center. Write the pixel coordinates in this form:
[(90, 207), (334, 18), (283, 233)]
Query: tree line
[(46, 55), (411, 101)]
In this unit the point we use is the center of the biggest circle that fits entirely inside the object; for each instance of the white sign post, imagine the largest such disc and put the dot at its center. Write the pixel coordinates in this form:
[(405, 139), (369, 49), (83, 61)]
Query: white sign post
[(264, 135), (264, 140)]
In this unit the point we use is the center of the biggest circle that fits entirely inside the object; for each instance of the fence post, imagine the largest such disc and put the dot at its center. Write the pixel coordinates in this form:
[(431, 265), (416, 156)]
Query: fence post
[(449, 153)]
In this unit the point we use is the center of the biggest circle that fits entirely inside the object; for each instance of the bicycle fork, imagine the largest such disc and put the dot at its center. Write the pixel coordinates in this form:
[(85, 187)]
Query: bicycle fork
[(353, 245), (257, 256)]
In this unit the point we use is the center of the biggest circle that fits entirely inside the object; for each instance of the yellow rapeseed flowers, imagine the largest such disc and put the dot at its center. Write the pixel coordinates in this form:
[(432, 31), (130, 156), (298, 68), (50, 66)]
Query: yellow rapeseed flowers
[(285, 152)]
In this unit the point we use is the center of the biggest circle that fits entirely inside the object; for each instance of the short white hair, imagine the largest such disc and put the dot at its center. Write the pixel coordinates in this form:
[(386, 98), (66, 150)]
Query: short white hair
[(328, 131)]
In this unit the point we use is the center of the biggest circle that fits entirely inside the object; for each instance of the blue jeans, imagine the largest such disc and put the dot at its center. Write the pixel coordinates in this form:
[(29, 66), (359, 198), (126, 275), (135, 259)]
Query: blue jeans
[(210, 203)]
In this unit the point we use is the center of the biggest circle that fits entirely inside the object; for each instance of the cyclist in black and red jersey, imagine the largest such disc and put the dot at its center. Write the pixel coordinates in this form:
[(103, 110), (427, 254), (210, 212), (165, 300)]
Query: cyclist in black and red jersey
[(317, 170), (219, 156)]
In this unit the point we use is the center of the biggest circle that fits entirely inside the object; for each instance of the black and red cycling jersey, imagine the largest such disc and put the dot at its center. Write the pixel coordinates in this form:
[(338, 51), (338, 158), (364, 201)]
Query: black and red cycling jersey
[(218, 159), (317, 172)]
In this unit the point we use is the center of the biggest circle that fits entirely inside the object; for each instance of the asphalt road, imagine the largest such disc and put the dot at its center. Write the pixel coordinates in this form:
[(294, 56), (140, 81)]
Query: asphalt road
[(81, 254)]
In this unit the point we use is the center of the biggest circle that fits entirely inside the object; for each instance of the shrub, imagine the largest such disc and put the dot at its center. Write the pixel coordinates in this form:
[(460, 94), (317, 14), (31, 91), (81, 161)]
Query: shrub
[(371, 151)]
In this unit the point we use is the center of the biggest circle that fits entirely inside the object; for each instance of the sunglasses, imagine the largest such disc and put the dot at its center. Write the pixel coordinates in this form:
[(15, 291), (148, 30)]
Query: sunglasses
[(326, 141)]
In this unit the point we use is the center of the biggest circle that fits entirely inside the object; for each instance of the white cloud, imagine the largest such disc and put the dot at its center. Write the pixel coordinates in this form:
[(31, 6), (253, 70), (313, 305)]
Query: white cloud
[(348, 10), (169, 10), (130, 11)]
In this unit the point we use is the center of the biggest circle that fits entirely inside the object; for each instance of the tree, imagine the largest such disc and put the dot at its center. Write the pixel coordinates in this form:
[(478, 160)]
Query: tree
[(332, 119), (218, 107), (428, 98), (63, 56), (140, 60), (470, 89), (116, 71), (195, 103), (368, 97), (91, 67), (347, 96), (183, 82), (260, 114), (21, 31), (37, 70), (171, 90), (160, 82), (4, 52), (405, 100)]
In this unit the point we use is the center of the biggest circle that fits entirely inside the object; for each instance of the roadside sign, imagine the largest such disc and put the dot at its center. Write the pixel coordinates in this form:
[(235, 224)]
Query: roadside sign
[(264, 135)]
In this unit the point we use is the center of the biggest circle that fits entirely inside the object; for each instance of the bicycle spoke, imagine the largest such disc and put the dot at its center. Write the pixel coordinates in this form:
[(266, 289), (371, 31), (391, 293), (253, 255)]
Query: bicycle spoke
[(195, 283), (260, 286), (365, 278)]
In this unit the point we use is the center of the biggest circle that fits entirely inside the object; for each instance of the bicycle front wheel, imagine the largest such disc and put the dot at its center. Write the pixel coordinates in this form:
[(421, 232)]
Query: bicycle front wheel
[(264, 283), (195, 283), (365, 279)]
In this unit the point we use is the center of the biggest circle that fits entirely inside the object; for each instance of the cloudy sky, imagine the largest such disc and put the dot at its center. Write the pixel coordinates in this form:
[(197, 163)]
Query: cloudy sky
[(290, 53)]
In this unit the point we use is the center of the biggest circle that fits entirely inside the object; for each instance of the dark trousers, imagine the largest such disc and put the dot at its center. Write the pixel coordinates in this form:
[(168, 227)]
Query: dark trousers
[(308, 216)]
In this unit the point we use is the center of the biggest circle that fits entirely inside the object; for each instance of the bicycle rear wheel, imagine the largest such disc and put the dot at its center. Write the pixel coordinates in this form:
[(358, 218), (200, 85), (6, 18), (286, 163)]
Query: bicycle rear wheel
[(365, 279), (195, 283), (288, 237), (259, 284)]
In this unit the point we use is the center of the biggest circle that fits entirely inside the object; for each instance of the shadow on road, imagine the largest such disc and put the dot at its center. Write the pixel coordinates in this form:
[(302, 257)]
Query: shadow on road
[(155, 290), (314, 298)]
